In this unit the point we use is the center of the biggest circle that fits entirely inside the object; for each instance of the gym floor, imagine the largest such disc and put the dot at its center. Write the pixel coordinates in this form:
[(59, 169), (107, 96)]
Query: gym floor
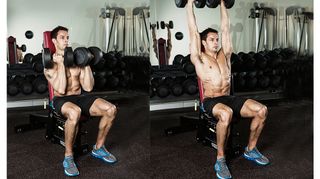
[(144, 151)]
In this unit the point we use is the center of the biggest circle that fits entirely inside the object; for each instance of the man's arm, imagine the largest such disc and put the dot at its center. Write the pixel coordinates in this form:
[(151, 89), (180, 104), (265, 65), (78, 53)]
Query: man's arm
[(86, 78), (57, 75), (154, 39), (169, 43), (225, 30), (195, 46)]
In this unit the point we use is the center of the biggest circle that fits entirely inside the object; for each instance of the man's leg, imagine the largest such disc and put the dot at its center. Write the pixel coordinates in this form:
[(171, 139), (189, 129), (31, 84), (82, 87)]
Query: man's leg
[(258, 112), (108, 112), (72, 112), (224, 115)]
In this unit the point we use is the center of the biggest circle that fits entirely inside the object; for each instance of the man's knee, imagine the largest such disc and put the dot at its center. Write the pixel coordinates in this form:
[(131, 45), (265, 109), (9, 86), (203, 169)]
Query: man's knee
[(73, 114), (111, 111), (225, 115), (263, 112)]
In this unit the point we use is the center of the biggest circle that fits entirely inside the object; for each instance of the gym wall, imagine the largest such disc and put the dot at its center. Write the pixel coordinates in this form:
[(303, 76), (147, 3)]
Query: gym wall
[(81, 17), (242, 27)]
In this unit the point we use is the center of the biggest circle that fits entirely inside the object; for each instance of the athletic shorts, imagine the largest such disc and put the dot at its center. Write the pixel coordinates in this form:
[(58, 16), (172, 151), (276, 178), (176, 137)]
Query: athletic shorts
[(84, 101), (234, 102)]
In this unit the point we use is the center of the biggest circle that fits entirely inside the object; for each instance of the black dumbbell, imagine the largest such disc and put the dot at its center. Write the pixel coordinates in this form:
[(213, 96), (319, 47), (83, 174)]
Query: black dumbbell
[(197, 3), (154, 25), (47, 57), (214, 3), (23, 48), (87, 56), (163, 25)]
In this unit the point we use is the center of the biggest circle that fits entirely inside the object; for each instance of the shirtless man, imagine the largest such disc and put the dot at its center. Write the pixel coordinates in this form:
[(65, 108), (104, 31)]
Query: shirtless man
[(70, 85), (155, 41), (213, 67)]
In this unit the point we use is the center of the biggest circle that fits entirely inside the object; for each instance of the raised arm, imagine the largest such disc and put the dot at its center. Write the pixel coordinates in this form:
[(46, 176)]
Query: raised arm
[(225, 30), (195, 42), (57, 75), (86, 78), (154, 39), (169, 43)]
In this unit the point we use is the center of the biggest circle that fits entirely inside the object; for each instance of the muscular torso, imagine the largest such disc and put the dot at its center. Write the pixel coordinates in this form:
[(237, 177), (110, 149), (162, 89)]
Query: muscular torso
[(73, 82), (215, 75)]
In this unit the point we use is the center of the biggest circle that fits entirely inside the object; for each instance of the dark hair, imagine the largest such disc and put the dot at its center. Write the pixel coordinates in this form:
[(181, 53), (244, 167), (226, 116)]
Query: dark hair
[(204, 34), (55, 31)]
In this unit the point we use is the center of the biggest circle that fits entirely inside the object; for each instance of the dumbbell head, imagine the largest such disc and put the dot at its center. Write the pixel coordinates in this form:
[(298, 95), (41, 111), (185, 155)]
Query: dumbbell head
[(97, 55), (171, 24), (197, 3), (82, 56), (212, 3), (215, 3), (229, 3), (68, 57), (162, 25), (47, 58)]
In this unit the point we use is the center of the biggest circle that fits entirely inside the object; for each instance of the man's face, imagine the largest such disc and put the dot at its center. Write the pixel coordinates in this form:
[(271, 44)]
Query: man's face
[(62, 40), (212, 42)]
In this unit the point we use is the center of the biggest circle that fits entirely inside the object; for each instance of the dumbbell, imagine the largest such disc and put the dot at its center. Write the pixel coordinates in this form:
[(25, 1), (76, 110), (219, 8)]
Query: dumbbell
[(154, 25), (81, 57), (163, 25), (87, 56), (47, 57), (197, 3), (23, 47), (215, 3)]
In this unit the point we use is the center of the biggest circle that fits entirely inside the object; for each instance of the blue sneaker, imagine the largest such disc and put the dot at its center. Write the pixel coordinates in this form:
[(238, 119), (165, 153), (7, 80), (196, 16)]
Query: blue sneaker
[(70, 168), (103, 154), (255, 156), (221, 169)]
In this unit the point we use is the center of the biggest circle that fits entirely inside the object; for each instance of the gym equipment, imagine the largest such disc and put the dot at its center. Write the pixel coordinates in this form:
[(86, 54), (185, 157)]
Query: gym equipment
[(214, 3), (184, 63), (28, 34), (197, 3), (87, 56), (12, 87), (23, 47), (236, 63), (179, 35), (261, 13), (28, 58), (154, 25), (37, 64), (163, 24), (81, 57), (40, 84), (47, 60)]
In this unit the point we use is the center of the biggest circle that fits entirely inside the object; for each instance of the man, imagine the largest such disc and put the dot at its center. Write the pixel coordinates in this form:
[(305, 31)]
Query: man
[(70, 85), (155, 41), (213, 67)]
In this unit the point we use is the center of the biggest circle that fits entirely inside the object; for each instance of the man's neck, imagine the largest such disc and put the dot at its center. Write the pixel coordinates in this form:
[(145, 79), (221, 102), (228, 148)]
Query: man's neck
[(213, 55)]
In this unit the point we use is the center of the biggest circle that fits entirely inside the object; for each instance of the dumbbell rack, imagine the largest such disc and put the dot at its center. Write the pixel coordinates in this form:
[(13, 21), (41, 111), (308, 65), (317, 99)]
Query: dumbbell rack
[(170, 102)]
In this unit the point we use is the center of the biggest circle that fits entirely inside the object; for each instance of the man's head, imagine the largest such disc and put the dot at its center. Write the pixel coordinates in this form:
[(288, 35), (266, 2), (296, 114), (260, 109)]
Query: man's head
[(60, 38), (209, 40)]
